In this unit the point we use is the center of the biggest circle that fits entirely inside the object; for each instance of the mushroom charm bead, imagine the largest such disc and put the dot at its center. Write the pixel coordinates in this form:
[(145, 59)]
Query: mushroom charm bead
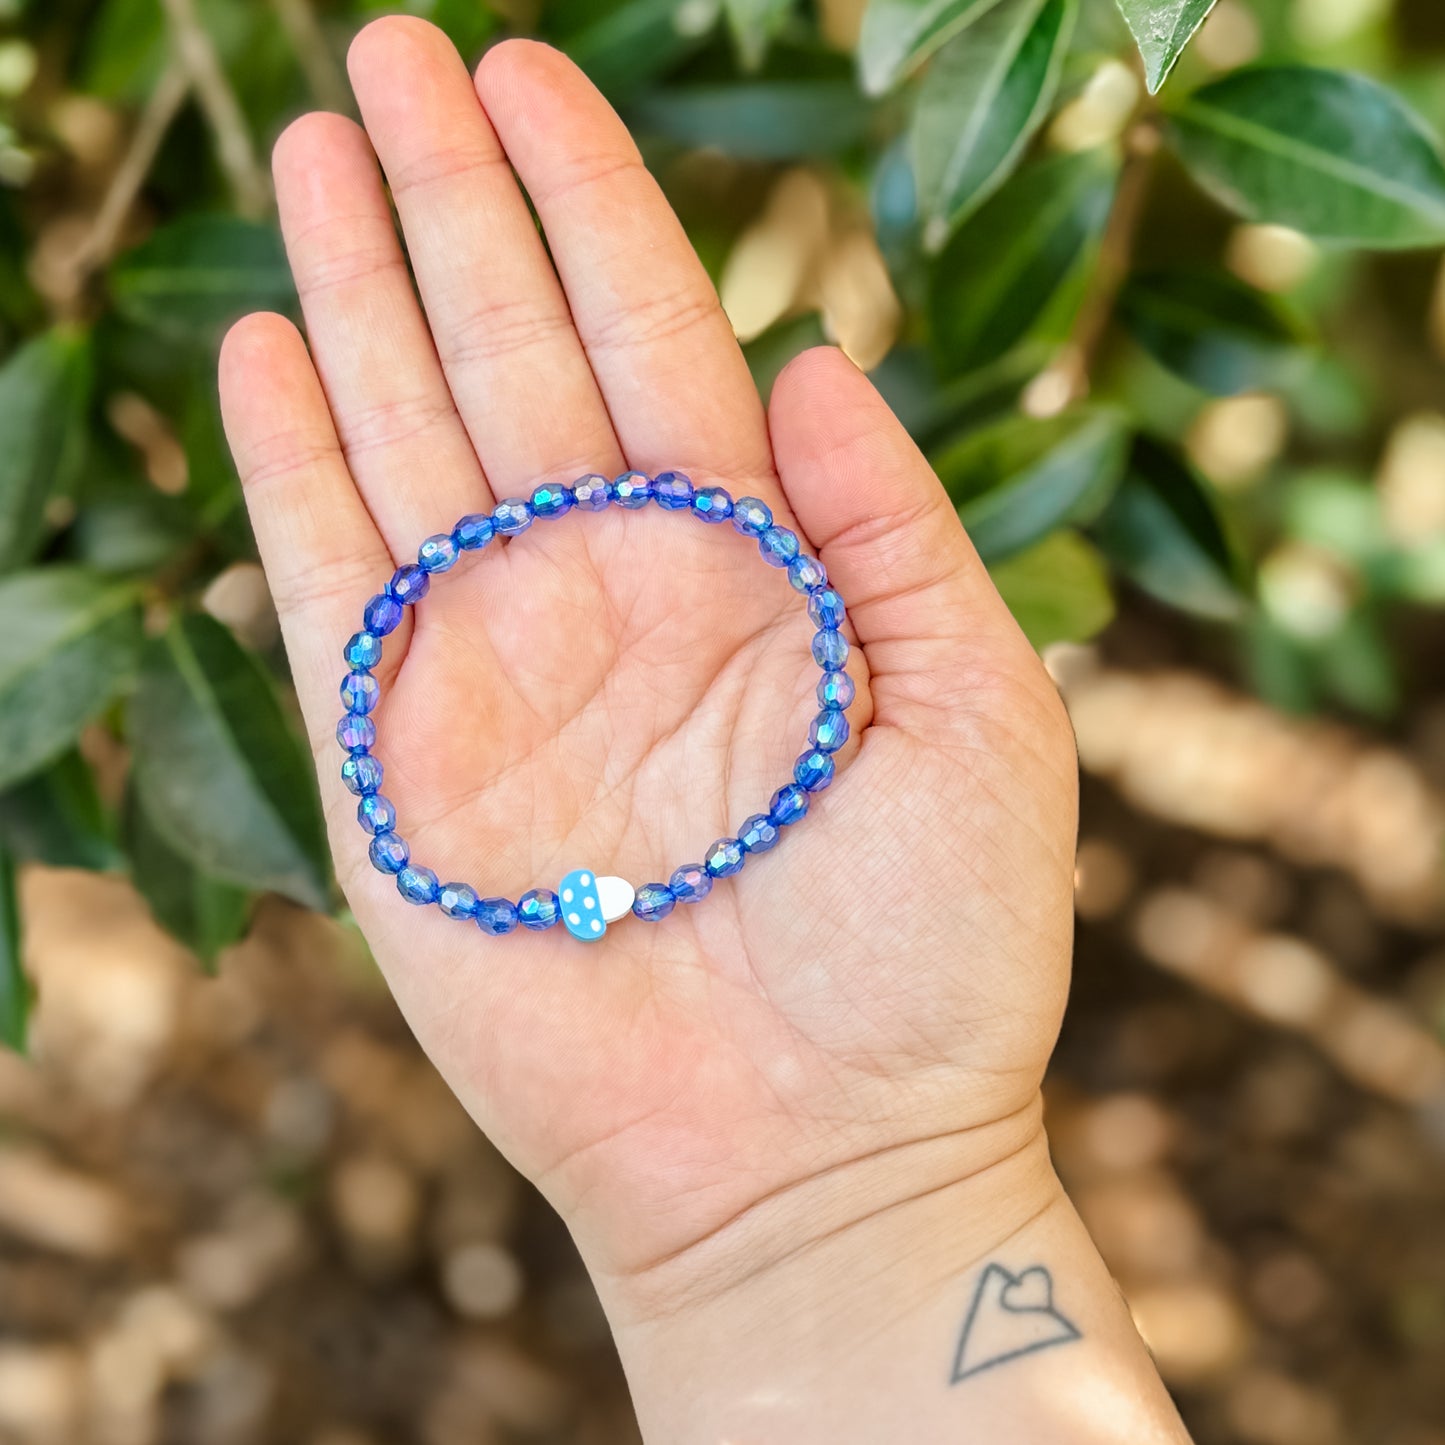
[(590, 903)]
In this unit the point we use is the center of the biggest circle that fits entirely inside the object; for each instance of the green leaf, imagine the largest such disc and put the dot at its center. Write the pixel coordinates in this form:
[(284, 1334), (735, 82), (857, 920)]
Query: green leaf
[(1161, 30), (1332, 154), (898, 34), (68, 647), (1057, 591), (753, 24), (44, 390), (1001, 272), (984, 96), (1217, 333), (625, 46), (198, 274), (14, 986), (757, 120), (205, 913), (1019, 479), (1161, 530), (770, 352), (219, 770), (57, 817)]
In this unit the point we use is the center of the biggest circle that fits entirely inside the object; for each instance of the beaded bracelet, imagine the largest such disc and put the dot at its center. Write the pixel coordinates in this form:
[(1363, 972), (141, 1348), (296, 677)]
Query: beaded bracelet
[(585, 903)]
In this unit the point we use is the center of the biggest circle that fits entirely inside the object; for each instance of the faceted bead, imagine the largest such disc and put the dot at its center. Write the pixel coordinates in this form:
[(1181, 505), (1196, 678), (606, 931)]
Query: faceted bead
[(826, 609), (724, 858), (354, 731), (631, 490), (382, 614), (673, 491), (751, 517), (550, 500), (457, 900), (829, 730), (512, 516), (496, 916), (389, 854), (592, 493), (376, 814), (361, 773), (813, 770), (409, 584), (779, 546), (806, 573), (654, 901), (836, 689), (472, 532), (363, 649), (690, 883), (758, 834), (417, 885), (438, 553), (538, 908), (789, 804), (359, 692), (712, 504), (830, 649)]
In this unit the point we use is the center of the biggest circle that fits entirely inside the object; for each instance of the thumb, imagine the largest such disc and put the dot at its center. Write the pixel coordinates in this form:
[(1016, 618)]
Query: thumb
[(920, 601)]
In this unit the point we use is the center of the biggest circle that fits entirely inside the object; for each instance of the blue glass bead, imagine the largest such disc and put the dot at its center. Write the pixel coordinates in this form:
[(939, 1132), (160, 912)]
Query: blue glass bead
[(673, 491), (359, 692), (829, 730), (550, 500), (690, 883), (836, 689), (382, 614), (592, 493), (813, 770), (806, 573), (361, 773), (779, 546), (472, 532), (355, 731), (457, 900), (496, 916), (830, 649), (826, 609), (751, 517), (438, 553), (376, 814), (789, 804), (417, 885), (538, 908), (363, 649), (510, 517), (409, 584), (724, 858), (389, 854), (712, 504), (758, 834), (654, 901), (631, 490)]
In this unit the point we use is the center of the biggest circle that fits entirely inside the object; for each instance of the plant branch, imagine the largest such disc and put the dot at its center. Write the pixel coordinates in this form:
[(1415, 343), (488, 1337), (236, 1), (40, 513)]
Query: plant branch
[(313, 54)]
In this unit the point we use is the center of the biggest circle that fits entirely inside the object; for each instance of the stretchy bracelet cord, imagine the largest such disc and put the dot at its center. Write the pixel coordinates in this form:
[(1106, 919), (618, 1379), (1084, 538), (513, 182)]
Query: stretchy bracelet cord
[(584, 903)]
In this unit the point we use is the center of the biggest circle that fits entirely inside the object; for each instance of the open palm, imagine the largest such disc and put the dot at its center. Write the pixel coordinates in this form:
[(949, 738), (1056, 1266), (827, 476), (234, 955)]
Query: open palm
[(615, 691)]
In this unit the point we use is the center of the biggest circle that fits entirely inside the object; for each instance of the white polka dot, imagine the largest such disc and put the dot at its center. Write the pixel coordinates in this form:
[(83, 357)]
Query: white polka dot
[(566, 895), (574, 918), (597, 925), (586, 880), (589, 903)]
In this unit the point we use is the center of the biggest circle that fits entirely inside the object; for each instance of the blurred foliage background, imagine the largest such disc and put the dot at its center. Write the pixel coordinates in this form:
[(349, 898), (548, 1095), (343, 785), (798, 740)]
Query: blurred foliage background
[(1156, 284)]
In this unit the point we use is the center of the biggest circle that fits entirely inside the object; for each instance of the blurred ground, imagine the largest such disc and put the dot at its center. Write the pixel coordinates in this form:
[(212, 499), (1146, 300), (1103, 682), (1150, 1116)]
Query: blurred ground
[(243, 1209)]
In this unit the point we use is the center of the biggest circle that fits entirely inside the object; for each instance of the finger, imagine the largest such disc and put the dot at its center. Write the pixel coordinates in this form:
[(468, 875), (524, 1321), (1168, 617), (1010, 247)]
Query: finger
[(506, 340), (677, 387), (323, 556), (918, 597), (399, 430)]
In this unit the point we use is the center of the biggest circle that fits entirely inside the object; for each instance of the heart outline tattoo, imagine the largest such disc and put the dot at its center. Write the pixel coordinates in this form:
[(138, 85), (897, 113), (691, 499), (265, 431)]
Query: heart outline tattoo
[(1010, 1316)]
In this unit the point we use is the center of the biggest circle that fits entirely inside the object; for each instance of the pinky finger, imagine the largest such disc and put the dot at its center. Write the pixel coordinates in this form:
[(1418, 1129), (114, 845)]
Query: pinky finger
[(322, 554)]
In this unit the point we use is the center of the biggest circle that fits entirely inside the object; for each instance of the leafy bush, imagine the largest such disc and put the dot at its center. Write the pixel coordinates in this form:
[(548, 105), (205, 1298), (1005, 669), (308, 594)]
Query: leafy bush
[(1122, 253)]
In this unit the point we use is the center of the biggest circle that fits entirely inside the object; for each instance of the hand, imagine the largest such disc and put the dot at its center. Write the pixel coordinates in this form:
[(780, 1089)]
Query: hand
[(863, 1016)]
